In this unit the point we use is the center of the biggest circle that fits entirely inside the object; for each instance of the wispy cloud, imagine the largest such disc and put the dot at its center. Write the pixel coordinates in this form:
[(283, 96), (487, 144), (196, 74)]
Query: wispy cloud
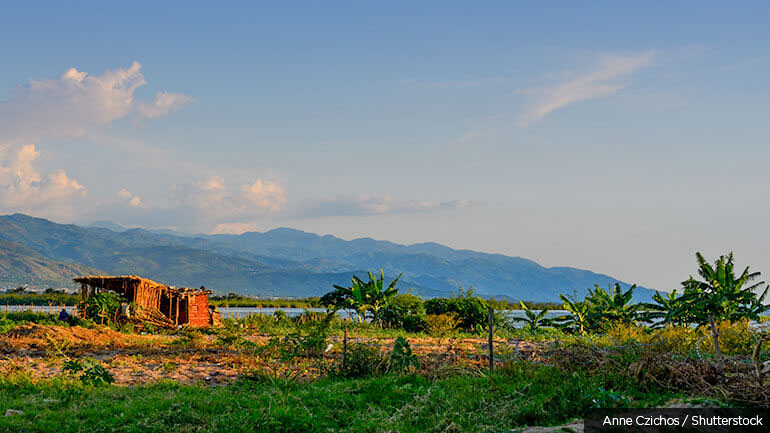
[(363, 205), (600, 81)]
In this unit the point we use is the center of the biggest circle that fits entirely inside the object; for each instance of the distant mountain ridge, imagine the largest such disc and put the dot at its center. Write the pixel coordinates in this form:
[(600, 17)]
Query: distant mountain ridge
[(21, 266), (289, 262)]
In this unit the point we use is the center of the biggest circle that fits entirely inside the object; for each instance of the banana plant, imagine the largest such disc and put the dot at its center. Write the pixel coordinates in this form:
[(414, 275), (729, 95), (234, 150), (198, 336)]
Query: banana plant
[(579, 318), (720, 296), (363, 297), (664, 310), (533, 320), (615, 307)]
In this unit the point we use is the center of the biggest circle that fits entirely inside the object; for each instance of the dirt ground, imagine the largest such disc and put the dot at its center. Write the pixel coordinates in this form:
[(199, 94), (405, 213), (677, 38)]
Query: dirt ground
[(40, 351)]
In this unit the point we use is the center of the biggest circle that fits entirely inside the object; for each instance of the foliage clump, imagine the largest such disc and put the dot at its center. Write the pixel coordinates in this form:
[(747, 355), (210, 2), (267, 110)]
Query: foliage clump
[(472, 311), (90, 371)]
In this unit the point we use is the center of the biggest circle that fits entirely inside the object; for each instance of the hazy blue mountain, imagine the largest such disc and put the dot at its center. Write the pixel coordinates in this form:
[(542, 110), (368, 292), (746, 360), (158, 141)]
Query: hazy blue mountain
[(107, 225), (292, 262)]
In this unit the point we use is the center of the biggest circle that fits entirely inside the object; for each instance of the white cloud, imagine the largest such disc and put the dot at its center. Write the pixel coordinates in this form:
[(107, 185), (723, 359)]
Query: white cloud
[(163, 104), (131, 199), (234, 228), (264, 194), (599, 82), (64, 108), (23, 188), (210, 201)]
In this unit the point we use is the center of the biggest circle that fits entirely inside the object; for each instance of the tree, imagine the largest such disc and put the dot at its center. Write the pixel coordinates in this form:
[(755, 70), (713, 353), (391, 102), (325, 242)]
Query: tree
[(719, 296), (362, 297)]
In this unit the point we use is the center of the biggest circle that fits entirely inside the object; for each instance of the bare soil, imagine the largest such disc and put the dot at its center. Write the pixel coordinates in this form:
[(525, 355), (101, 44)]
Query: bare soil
[(40, 352)]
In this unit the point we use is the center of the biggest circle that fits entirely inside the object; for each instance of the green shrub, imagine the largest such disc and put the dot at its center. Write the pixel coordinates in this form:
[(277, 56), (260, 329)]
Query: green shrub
[(402, 358), (101, 308), (471, 310), (308, 344), (91, 371), (14, 319), (361, 361), (440, 325), (404, 311)]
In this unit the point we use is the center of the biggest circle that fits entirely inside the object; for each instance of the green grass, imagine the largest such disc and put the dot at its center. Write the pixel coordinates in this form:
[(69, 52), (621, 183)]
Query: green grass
[(522, 394), (38, 299), (9, 321)]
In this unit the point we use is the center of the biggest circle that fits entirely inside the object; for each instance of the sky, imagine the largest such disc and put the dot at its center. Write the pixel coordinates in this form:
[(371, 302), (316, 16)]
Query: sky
[(616, 137)]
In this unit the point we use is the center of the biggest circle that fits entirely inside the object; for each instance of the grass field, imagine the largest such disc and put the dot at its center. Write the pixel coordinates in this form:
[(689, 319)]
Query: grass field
[(518, 395), (276, 374)]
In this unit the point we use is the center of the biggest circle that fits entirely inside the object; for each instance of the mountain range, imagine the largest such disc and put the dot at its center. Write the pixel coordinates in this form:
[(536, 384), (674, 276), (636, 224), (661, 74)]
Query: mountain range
[(280, 262)]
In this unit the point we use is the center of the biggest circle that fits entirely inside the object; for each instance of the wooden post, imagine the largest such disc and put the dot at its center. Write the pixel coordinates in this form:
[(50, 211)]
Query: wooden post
[(345, 345), (491, 342)]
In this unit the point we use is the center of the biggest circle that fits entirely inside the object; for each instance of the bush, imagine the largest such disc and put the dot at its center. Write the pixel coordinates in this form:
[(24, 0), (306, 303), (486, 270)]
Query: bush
[(472, 311), (12, 320), (91, 371), (101, 308), (309, 341), (440, 325), (404, 311), (402, 358), (361, 361)]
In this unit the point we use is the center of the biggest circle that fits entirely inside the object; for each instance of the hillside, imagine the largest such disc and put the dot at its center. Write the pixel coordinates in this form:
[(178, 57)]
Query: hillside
[(20, 265), (289, 262)]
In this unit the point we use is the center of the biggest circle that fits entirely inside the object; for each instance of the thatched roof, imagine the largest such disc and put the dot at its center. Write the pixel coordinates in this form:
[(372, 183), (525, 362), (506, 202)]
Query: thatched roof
[(121, 283)]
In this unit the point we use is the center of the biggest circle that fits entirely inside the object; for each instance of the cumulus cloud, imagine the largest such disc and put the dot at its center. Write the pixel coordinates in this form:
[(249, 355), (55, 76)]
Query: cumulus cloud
[(23, 187), (361, 205), (204, 203), (264, 194), (131, 199), (600, 81), (64, 108)]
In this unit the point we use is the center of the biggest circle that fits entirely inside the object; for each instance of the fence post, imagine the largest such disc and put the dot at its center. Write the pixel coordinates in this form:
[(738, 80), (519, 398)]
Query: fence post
[(345, 345), (491, 342)]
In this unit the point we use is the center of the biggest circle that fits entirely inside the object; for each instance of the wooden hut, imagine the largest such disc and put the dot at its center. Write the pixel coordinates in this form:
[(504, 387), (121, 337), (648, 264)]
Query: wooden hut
[(181, 306)]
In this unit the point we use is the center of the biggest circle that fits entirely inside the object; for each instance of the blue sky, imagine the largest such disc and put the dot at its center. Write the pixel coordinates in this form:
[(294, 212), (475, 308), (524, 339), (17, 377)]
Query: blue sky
[(615, 138)]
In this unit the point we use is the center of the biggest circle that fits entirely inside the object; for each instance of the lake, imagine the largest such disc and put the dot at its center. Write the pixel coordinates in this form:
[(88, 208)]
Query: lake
[(240, 312)]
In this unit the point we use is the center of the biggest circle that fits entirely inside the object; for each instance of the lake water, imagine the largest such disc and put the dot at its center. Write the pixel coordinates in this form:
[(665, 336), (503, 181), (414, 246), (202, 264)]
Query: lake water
[(240, 312)]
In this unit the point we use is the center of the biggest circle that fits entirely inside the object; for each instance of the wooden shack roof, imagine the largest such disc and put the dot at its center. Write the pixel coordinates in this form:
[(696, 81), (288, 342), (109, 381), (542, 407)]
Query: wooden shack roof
[(120, 283)]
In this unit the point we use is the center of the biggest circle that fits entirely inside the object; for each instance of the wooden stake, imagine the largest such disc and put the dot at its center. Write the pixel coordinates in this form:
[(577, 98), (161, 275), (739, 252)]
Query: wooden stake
[(345, 345), (491, 342)]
